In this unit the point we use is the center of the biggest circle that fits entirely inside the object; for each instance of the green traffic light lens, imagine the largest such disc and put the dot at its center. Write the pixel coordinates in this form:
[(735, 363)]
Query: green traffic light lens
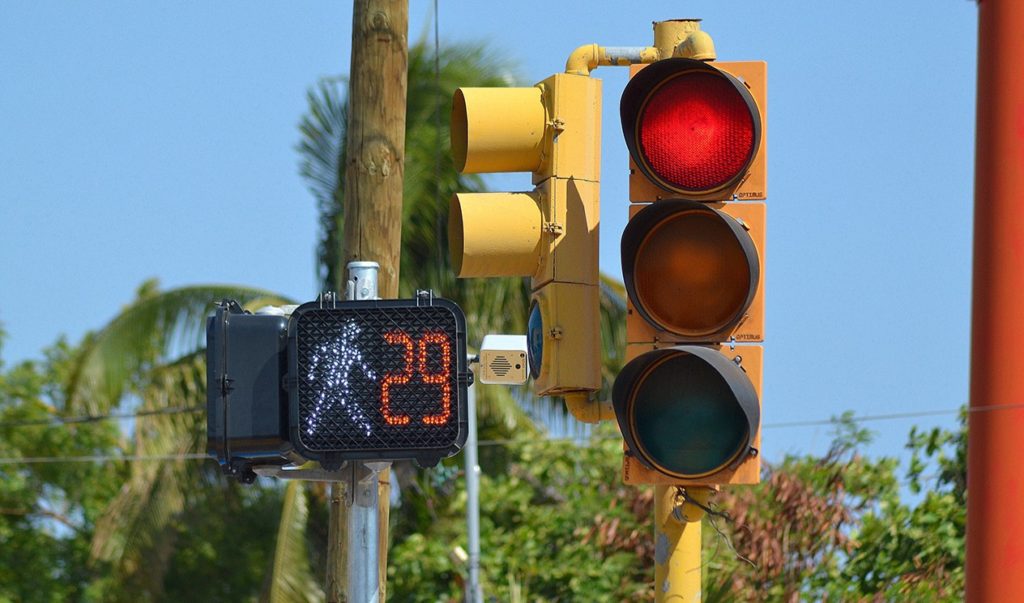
[(686, 418)]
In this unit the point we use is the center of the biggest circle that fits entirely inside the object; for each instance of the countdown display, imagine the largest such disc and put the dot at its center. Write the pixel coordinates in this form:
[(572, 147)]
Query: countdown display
[(381, 379)]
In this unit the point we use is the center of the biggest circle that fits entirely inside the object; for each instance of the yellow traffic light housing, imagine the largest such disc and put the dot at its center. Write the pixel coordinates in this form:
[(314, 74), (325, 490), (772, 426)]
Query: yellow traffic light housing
[(549, 233), (691, 270), (688, 399)]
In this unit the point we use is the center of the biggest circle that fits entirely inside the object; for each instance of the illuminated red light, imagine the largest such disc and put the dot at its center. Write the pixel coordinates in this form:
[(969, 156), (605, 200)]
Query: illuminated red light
[(696, 131)]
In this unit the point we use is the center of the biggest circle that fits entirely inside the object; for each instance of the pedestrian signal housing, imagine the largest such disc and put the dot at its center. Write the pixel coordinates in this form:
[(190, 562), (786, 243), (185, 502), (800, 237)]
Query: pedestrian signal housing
[(337, 381)]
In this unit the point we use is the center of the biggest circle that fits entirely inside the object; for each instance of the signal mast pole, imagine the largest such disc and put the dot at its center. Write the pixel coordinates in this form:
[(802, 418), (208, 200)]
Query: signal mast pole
[(375, 148), (995, 482)]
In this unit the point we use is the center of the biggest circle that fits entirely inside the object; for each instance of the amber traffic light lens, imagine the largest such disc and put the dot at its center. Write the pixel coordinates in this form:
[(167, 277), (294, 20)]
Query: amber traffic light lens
[(693, 271)]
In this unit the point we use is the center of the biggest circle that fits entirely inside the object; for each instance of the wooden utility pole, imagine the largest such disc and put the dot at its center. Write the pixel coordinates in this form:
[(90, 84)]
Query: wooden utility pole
[(375, 148), (995, 481)]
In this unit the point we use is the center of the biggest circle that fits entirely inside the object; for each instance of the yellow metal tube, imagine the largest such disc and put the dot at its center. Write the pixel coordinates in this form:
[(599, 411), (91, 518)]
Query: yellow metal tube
[(588, 57), (587, 410), (583, 60), (683, 38), (677, 560), (497, 129), (494, 234), (693, 511)]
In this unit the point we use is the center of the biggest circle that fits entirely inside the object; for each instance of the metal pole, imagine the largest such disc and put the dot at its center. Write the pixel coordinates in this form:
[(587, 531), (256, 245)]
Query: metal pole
[(677, 561), (362, 527), (677, 554), (995, 481), (474, 590)]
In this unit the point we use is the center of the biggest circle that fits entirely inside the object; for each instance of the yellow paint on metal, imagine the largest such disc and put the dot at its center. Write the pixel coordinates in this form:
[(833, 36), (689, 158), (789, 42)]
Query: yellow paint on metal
[(587, 410), (571, 361), (683, 38), (677, 560), (495, 234), (497, 129), (551, 233), (569, 249), (691, 508), (572, 140)]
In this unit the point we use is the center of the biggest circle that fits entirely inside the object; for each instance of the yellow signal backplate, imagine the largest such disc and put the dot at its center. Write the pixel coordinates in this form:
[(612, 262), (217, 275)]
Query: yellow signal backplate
[(754, 185), (751, 327), (571, 357), (747, 471), (570, 211), (572, 136)]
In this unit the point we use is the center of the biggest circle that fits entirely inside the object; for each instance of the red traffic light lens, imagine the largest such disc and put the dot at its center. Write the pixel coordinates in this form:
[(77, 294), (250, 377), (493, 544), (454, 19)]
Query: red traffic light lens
[(696, 131), (690, 128)]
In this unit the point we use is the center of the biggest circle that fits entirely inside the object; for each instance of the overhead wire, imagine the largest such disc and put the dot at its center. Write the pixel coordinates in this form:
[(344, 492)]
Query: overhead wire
[(57, 421), (491, 442)]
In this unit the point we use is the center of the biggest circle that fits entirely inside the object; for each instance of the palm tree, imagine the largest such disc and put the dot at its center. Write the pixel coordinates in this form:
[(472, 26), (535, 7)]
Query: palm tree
[(151, 356)]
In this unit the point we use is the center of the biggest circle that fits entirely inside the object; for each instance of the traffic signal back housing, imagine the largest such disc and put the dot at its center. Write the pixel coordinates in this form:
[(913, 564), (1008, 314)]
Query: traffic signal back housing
[(549, 233)]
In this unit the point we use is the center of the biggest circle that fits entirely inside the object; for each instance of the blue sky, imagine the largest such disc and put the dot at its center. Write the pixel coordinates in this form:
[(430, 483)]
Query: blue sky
[(143, 140)]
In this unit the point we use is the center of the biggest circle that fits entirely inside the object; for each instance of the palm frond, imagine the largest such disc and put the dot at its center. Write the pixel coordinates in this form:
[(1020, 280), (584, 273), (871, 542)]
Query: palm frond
[(155, 328), (291, 579), (135, 530), (322, 150)]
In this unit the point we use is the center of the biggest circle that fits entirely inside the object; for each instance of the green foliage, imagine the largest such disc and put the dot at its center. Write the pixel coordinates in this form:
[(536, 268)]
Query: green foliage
[(223, 544), (556, 521), (48, 511), (558, 525), (150, 357), (916, 552), (838, 528)]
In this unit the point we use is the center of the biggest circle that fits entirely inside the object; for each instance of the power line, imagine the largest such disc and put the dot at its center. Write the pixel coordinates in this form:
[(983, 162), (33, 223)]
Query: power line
[(861, 419), (494, 442), (55, 421), (102, 458)]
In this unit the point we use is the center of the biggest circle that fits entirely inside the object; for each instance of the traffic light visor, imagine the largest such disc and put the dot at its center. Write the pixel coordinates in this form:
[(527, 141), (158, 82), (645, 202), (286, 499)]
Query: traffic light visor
[(689, 269), (686, 411), (690, 128)]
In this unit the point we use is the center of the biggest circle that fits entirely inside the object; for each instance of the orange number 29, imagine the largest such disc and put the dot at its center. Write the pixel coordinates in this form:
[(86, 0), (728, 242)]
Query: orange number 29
[(417, 350)]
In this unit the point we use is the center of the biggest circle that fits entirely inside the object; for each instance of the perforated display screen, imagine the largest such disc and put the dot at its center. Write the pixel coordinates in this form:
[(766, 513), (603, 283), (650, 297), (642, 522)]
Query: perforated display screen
[(378, 379)]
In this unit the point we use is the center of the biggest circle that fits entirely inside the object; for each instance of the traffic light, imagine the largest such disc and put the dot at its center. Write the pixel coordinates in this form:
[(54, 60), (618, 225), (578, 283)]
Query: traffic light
[(688, 400), (548, 233), (336, 381)]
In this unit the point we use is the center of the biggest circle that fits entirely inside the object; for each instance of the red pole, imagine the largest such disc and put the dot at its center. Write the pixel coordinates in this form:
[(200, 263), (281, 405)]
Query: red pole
[(995, 457)]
